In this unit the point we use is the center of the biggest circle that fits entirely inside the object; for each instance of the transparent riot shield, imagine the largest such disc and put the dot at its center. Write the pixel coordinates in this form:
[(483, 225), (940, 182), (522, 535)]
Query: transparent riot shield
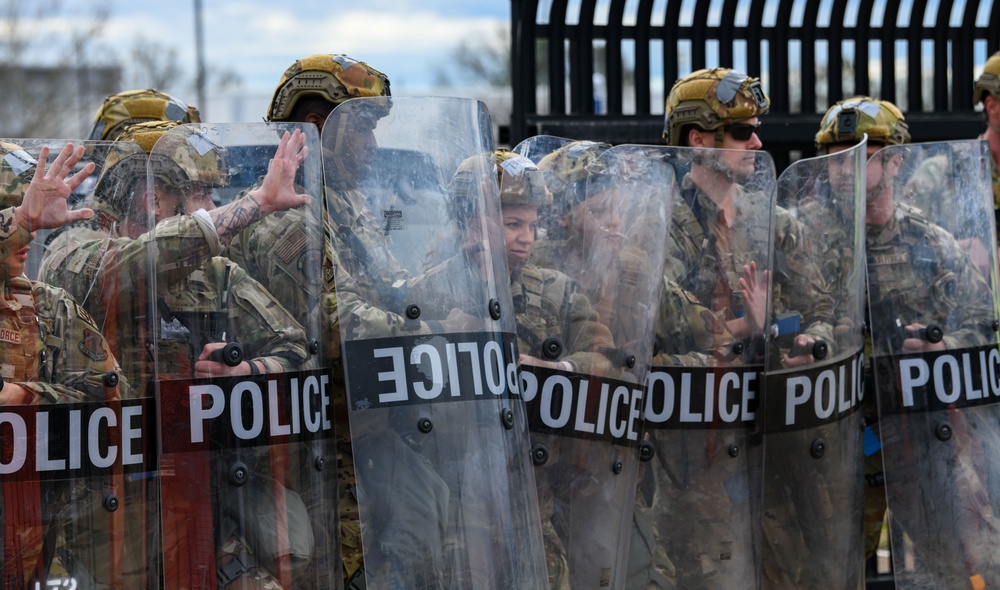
[(699, 494), (78, 455), (585, 340), (244, 400), (933, 315), (439, 432), (537, 147), (813, 383)]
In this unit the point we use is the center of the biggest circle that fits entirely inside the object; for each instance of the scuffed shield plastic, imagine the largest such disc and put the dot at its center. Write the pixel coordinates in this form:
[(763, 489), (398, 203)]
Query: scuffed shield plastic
[(933, 302), (243, 385), (699, 495), (586, 338), (438, 428), (78, 507), (813, 379)]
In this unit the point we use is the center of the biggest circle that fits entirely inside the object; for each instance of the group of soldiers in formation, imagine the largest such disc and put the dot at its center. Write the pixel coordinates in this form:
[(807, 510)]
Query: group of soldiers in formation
[(355, 346)]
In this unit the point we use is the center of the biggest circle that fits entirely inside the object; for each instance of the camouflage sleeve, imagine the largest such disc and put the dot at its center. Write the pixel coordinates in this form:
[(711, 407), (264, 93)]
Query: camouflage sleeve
[(283, 251), (800, 284), (182, 244), (12, 236), (266, 330), (959, 292), (687, 333), (367, 318), (78, 357), (587, 339)]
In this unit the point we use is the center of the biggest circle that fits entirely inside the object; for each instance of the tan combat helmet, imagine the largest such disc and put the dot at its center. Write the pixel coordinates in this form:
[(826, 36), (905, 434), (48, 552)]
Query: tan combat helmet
[(181, 159), (989, 81), (567, 169), (16, 171), (138, 106), (711, 100), (849, 120), (521, 182), (334, 77)]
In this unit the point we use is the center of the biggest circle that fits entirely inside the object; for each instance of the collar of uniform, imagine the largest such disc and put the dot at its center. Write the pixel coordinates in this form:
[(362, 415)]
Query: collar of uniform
[(883, 234)]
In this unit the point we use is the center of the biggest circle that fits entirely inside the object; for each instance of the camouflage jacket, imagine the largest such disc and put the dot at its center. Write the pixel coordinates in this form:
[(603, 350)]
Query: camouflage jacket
[(12, 236), (267, 332), (362, 271), (918, 273), (548, 304), (96, 265), (700, 266), (688, 333), (52, 347), (284, 252), (832, 237)]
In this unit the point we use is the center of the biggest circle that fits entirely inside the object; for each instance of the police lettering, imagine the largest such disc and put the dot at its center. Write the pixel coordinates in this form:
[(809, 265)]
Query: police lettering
[(814, 396), (949, 379), (692, 397), (60, 440), (422, 369), (569, 404), (243, 407)]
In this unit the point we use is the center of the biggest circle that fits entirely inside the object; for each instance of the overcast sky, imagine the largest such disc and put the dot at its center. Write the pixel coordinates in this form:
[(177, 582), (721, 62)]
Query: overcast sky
[(407, 39)]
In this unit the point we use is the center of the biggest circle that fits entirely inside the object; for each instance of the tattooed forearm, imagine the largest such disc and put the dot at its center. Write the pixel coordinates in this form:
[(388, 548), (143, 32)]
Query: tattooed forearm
[(232, 218)]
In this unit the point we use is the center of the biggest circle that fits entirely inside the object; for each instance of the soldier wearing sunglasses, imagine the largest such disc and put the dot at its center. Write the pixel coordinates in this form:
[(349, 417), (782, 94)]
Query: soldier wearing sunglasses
[(721, 109)]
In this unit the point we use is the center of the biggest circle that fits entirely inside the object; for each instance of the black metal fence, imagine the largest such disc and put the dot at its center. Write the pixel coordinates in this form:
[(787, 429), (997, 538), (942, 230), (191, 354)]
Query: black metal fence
[(600, 69)]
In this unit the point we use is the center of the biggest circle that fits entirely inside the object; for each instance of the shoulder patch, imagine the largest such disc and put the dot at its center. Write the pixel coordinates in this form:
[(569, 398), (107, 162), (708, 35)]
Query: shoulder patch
[(91, 345), (712, 323)]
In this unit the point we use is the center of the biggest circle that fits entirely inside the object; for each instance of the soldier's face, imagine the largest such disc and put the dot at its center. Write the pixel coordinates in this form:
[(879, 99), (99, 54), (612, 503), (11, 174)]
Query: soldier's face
[(13, 265), (841, 172), (737, 163), (599, 218), (519, 224)]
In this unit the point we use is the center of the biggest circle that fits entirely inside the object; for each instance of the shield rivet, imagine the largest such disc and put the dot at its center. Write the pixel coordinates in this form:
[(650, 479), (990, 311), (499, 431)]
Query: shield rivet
[(818, 448), (943, 431), (617, 467), (494, 309), (734, 451), (111, 503), (507, 418), (425, 425), (239, 473), (319, 463), (413, 311), (646, 451), (539, 454)]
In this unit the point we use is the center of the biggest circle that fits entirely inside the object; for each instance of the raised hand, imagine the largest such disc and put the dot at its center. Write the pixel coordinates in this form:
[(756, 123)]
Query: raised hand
[(45, 203)]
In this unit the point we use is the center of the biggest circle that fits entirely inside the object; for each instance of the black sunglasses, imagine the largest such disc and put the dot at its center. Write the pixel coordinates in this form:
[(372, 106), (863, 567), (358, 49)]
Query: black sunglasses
[(742, 131)]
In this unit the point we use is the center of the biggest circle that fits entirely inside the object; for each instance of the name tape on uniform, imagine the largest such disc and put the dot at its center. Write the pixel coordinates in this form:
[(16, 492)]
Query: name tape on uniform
[(570, 404), (410, 370)]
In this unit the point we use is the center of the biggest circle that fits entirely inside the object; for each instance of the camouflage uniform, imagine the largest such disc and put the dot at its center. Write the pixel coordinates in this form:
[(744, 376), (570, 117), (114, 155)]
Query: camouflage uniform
[(52, 348), (695, 224), (988, 84), (334, 78), (944, 291)]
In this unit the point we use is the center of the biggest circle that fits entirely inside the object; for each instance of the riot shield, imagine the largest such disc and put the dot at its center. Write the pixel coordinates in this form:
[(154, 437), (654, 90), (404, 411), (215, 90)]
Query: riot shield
[(702, 484), (439, 432), (247, 453), (933, 321), (585, 340), (77, 457), (813, 386), (537, 147)]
